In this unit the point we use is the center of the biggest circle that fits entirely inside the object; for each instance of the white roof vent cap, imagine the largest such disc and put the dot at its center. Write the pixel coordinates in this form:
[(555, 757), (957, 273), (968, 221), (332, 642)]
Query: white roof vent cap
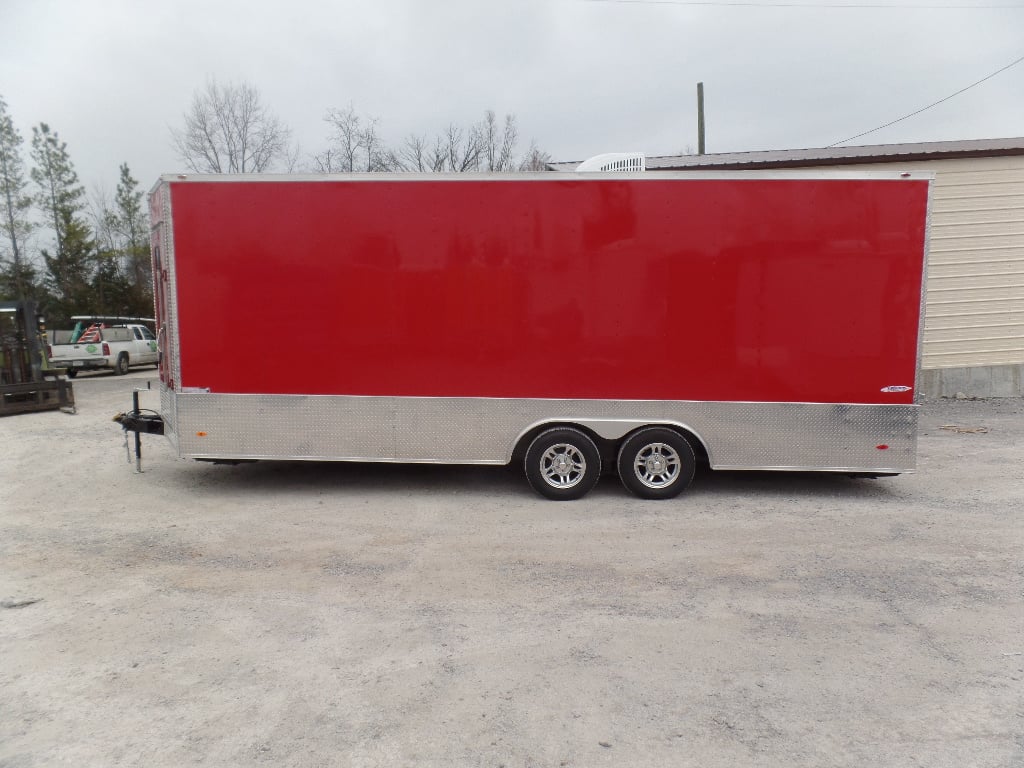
[(614, 162)]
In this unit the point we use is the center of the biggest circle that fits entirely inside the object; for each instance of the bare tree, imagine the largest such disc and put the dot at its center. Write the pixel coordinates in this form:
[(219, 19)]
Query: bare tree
[(374, 151), (99, 210), (462, 148), (389, 161), (107, 276), (342, 156), (355, 146), (325, 162), (498, 145), (535, 159), (228, 129), (291, 158), (417, 154), (486, 146)]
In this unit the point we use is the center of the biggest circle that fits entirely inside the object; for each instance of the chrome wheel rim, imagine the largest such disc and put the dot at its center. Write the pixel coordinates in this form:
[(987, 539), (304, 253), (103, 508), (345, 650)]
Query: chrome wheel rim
[(563, 466), (657, 465)]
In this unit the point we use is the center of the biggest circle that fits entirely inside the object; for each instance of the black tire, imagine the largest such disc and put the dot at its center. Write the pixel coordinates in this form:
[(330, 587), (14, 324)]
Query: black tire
[(71, 373), (121, 366), (562, 464), (656, 463)]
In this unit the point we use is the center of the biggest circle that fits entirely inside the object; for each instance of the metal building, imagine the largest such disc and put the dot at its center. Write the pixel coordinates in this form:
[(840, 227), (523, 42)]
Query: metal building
[(974, 317)]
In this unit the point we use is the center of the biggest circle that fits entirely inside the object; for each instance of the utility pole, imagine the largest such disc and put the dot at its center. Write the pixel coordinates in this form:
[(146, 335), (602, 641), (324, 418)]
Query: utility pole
[(700, 118)]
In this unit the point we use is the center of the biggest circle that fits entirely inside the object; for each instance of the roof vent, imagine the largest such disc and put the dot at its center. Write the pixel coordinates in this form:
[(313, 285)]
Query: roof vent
[(613, 162)]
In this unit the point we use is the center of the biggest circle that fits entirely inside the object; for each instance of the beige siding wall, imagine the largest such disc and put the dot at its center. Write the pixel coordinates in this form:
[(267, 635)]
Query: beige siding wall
[(974, 313)]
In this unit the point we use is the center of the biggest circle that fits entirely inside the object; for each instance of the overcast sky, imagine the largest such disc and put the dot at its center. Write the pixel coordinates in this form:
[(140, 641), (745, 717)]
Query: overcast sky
[(583, 77)]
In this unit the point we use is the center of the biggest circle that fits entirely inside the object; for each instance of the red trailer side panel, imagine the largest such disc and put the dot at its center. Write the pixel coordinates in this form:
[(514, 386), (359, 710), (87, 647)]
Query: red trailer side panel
[(761, 290)]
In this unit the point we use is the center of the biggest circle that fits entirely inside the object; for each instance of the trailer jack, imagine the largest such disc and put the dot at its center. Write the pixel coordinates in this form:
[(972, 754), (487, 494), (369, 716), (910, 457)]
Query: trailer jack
[(140, 422)]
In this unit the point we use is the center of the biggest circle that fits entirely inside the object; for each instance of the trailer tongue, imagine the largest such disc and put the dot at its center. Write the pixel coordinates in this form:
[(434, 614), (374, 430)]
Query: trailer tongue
[(639, 322)]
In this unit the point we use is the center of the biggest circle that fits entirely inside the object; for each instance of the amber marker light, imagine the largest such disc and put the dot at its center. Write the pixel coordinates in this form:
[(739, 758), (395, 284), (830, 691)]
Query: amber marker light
[(200, 434)]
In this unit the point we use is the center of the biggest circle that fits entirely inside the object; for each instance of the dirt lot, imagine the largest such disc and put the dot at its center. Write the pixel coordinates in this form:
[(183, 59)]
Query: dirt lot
[(337, 615)]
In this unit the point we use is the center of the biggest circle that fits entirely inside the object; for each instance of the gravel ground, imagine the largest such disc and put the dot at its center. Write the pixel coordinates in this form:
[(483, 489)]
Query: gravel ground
[(370, 615)]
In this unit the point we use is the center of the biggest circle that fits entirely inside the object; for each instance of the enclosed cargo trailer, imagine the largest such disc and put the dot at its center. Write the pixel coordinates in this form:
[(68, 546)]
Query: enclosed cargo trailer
[(575, 321)]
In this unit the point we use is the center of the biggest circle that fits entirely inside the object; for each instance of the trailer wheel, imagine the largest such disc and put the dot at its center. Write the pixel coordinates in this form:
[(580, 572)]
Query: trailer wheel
[(121, 365), (656, 463), (562, 464)]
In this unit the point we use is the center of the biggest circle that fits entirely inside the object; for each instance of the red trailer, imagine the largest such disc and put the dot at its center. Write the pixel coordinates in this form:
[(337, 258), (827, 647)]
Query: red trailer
[(577, 322)]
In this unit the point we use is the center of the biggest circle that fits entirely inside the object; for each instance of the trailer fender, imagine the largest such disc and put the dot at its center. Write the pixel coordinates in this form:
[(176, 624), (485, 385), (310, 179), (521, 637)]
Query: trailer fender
[(611, 430)]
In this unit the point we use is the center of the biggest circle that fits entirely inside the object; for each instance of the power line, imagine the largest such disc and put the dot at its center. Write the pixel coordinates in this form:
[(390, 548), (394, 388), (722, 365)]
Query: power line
[(933, 104), (830, 6)]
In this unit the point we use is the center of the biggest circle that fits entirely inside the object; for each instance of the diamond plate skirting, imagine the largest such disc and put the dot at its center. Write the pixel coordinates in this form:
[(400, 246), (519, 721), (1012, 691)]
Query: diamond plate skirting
[(485, 431), (168, 401)]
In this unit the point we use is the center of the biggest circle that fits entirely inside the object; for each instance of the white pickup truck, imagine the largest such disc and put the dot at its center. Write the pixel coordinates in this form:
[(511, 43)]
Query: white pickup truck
[(103, 343)]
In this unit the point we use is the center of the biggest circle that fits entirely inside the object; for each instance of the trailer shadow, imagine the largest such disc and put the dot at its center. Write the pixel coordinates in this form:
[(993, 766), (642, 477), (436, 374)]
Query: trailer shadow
[(383, 479), (782, 484)]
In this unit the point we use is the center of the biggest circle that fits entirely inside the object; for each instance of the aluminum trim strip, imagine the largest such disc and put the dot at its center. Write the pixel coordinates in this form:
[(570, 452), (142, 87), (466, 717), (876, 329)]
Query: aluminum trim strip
[(550, 176), (918, 376), (360, 459), (839, 470), (166, 245), (556, 400)]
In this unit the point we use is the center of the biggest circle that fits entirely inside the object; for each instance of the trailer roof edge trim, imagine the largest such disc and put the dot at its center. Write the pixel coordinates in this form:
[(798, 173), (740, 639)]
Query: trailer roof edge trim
[(782, 175)]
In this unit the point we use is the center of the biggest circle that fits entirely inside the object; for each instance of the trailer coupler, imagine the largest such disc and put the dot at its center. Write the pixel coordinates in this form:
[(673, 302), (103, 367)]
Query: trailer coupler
[(145, 423), (140, 422)]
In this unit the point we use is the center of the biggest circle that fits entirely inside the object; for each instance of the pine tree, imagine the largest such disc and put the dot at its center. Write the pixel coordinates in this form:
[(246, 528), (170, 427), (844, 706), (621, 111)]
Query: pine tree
[(71, 263), (132, 223), (17, 275), (112, 292), (122, 282)]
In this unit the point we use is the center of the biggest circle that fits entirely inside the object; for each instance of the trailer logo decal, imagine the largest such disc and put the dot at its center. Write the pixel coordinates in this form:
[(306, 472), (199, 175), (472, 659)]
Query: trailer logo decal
[(898, 388), (91, 348)]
